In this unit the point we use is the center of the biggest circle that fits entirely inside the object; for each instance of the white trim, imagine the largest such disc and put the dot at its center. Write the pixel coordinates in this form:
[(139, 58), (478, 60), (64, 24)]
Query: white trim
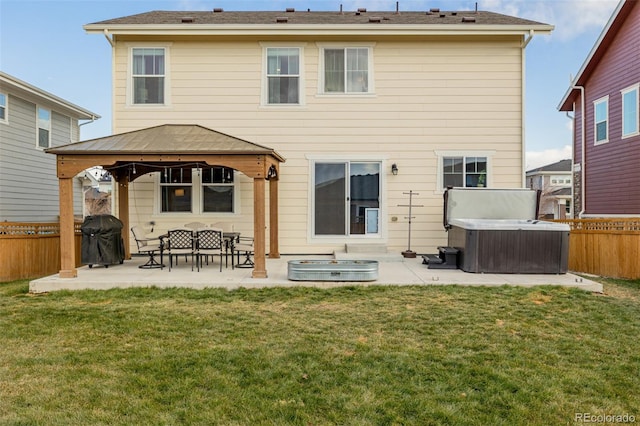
[(623, 92), (440, 157), (371, 89), (381, 236), (167, 74), (264, 97), (595, 123)]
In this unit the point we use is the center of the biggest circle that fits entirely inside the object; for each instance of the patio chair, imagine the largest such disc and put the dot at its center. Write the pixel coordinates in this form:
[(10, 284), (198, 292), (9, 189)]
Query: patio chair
[(148, 246), (209, 242), (244, 246), (180, 242)]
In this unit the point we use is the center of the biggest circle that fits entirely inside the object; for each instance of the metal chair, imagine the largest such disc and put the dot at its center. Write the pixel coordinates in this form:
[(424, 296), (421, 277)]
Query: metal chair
[(148, 246), (244, 246), (209, 242), (180, 242), (195, 225)]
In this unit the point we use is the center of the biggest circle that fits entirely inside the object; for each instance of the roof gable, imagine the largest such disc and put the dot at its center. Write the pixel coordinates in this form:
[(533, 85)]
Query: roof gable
[(616, 22)]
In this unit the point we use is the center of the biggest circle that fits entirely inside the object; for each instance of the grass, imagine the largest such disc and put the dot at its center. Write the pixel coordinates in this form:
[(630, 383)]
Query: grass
[(356, 355)]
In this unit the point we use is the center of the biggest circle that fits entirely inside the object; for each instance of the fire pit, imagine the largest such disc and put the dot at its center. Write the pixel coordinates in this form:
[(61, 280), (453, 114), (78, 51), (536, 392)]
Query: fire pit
[(332, 270)]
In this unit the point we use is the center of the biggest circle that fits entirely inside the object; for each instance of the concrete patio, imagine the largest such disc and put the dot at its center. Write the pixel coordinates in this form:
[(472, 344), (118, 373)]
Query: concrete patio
[(405, 272)]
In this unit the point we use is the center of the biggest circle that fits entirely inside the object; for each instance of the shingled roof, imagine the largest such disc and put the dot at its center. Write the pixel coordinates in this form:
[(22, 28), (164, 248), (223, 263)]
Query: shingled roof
[(195, 19)]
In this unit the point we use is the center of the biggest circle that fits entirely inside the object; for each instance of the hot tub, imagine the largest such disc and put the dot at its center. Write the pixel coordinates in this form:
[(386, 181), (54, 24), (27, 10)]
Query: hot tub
[(510, 245), (332, 270)]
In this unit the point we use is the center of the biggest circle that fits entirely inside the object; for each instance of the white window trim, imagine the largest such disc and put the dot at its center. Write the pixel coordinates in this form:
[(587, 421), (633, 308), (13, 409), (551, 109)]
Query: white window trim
[(382, 235), (636, 88), (196, 202), (442, 154), (167, 74), (38, 108), (370, 84), (264, 97), (5, 120), (595, 123)]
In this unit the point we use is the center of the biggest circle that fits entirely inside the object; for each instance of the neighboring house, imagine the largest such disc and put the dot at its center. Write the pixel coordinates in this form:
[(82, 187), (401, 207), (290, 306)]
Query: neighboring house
[(97, 189), (604, 98), (342, 96), (32, 120), (554, 182)]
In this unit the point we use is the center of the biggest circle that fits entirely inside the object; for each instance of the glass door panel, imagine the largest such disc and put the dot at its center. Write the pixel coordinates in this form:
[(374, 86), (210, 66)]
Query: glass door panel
[(330, 194), (365, 194)]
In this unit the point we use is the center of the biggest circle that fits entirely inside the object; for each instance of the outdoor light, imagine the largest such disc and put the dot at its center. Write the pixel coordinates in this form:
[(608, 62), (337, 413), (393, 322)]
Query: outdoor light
[(394, 169)]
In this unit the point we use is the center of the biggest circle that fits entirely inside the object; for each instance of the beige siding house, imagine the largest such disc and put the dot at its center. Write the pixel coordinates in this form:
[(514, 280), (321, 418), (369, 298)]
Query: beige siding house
[(344, 98)]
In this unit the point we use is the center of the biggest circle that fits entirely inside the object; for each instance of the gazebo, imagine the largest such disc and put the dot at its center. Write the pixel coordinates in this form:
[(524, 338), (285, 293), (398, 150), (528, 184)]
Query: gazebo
[(169, 145)]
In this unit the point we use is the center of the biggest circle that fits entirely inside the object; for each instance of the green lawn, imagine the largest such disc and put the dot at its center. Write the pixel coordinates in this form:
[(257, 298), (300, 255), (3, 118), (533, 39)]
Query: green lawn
[(350, 356)]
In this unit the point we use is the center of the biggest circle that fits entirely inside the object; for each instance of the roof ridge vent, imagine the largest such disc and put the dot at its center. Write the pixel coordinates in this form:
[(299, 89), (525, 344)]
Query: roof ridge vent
[(468, 19), (434, 10), (282, 19), (218, 10), (290, 10), (362, 10)]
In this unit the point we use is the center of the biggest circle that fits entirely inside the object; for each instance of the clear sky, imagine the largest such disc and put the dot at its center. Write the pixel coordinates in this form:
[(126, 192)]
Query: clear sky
[(43, 43)]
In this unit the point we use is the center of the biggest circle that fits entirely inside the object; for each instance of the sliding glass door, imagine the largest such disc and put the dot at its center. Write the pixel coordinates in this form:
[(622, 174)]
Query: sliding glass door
[(346, 206)]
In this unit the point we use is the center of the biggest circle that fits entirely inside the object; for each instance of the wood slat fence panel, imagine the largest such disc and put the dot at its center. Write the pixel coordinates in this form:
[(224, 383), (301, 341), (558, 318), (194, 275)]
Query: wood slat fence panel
[(32, 250), (605, 247)]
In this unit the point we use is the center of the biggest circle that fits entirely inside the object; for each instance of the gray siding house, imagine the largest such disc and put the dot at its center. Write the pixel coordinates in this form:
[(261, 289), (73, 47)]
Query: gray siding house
[(32, 120)]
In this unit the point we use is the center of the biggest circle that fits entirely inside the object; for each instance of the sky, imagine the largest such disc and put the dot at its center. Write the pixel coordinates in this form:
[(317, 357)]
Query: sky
[(43, 43)]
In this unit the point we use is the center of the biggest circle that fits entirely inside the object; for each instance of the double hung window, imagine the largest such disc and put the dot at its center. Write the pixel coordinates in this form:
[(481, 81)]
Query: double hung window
[(601, 120), (148, 74), (346, 70), (3, 108), (200, 190), (44, 128), (217, 190), (630, 112), (283, 75), (176, 190)]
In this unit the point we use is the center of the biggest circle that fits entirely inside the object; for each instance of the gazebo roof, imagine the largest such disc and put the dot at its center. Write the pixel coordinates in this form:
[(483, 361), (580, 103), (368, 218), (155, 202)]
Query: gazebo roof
[(167, 139)]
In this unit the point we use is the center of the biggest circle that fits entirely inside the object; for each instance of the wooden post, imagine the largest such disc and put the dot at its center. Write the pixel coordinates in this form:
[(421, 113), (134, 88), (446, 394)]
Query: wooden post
[(123, 213), (67, 230), (259, 213), (274, 243)]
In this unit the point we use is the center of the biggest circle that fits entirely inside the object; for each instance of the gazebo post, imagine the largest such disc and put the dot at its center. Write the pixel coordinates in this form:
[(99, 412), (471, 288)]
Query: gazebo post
[(67, 230), (123, 212), (259, 212), (274, 244)]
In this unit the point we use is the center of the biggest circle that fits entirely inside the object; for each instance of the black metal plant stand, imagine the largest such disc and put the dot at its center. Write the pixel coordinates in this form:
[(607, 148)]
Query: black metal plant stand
[(408, 253)]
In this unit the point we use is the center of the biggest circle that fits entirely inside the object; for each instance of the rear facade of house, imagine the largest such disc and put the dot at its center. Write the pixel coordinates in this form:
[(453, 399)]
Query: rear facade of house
[(32, 120), (344, 98), (605, 98)]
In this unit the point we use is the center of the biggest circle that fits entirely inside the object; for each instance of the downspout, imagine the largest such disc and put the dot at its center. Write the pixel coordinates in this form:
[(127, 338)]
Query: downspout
[(523, 46), (583, 162)]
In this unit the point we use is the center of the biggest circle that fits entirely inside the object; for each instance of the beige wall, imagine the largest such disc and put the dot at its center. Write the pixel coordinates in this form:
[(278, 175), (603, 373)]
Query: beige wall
[(431, 95)]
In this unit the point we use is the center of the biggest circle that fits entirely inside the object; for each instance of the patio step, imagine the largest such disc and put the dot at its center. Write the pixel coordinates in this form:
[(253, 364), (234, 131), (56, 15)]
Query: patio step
[(377, 252)]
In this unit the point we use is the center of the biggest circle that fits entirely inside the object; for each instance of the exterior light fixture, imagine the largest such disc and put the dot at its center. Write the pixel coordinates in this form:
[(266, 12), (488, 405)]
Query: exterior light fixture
[(394, 169)]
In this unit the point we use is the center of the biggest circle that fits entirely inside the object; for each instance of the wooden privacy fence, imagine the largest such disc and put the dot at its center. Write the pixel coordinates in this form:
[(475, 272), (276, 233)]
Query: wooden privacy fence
[(31, 250), (605, 247)]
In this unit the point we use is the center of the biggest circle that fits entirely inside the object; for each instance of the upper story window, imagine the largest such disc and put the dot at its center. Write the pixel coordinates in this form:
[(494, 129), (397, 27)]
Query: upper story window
[(345, 69), (601, 120), (3, 108), (630, 111), (44, 128), (464, 172), (283, 75), (148, 75)]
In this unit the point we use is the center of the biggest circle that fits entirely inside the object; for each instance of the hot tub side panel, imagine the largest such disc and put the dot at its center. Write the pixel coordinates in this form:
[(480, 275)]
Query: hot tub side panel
[(511, 251)]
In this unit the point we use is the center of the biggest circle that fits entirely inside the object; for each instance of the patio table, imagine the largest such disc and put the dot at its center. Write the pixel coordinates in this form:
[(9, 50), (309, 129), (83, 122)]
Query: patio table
[(230, 238)]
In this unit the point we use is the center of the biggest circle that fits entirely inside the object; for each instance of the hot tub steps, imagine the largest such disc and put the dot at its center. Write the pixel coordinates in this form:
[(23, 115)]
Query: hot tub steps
[(447, 258)]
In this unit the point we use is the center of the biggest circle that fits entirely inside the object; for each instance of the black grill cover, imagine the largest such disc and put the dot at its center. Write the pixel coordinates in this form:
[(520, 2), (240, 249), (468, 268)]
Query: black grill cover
[(102, 240)]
